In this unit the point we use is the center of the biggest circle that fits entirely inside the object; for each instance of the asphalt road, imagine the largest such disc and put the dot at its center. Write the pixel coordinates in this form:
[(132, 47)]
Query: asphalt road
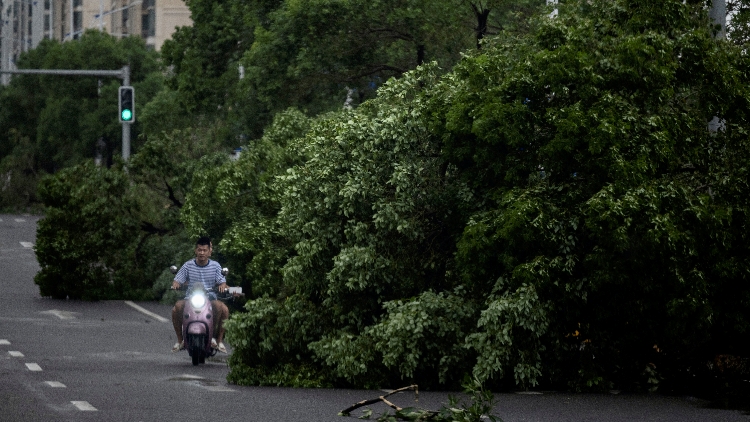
[(66, 360)]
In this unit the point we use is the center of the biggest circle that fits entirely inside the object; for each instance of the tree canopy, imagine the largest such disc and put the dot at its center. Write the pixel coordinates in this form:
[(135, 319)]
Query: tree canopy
[(49, 122), (554, 208), (249, 60)]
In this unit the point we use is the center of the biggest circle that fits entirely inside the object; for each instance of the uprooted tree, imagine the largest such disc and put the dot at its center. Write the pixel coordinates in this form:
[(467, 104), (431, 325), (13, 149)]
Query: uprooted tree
[(554, 209)]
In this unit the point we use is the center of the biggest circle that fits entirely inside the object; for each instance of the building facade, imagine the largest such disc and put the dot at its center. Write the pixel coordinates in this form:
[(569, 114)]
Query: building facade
[(25, 23)]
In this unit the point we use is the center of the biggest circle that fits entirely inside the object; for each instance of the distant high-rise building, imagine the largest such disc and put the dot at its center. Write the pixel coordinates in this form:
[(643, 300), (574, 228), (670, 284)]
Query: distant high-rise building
[(25, 23)]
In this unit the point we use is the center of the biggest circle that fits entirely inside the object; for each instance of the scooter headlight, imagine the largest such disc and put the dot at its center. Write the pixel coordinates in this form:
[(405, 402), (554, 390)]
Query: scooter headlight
[(198, 300)]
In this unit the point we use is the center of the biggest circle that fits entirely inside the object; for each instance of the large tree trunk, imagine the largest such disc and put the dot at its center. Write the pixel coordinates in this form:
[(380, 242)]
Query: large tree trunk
[(482, 16)]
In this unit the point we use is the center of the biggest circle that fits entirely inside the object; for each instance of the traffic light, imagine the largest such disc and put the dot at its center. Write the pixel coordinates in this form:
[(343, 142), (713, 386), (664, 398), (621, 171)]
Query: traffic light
[(127, 104)]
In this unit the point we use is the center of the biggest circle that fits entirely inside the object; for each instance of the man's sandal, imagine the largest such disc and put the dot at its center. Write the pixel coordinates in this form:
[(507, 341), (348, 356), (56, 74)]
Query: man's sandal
[(178, 346)]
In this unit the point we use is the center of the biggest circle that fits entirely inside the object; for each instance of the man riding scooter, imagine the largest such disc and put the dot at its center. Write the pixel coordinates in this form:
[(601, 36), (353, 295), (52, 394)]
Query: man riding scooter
[(207, 272)]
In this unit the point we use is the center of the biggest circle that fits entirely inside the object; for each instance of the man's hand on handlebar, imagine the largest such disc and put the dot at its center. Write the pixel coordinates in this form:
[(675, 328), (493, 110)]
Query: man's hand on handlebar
[(222, 288)]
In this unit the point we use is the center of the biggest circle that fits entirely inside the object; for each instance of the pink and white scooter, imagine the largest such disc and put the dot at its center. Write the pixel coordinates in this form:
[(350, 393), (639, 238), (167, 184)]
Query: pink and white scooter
[(197, 321)]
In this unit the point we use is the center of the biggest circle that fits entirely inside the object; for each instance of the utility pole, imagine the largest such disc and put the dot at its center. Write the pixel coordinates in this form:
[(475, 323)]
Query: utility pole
[(123, 74), (126, 125), (718, 16), (72, 12)]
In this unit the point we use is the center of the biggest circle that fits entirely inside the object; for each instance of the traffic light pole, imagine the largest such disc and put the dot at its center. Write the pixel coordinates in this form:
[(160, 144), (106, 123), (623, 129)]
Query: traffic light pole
[(125, 125), (123, 74)]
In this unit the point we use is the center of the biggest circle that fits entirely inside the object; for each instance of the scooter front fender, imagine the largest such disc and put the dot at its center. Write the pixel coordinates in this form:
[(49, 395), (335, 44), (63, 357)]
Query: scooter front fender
[(197, 328)]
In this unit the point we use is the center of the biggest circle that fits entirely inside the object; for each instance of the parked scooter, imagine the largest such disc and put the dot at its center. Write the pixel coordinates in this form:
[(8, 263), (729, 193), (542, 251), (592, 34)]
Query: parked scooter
[(197, 321)]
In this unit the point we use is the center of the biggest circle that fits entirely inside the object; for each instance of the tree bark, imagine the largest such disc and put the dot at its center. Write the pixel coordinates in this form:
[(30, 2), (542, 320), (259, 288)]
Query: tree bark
[(357, 405), (482, 19)]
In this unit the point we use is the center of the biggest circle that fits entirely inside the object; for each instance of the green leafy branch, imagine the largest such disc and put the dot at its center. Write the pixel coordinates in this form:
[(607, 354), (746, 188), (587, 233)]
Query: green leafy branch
[(482, 403)]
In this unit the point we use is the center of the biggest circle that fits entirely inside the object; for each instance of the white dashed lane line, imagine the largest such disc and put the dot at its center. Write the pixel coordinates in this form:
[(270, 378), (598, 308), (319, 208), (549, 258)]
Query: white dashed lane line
[(146, 311), (55, 384), (84, 406), (60, 314), (4, 342), (15, 354), (33, 367), (20, 220), (27, 244)]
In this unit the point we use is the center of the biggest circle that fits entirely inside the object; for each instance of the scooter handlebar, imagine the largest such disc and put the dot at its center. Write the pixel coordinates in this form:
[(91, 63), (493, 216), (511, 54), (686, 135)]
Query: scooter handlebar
[(225, 295)]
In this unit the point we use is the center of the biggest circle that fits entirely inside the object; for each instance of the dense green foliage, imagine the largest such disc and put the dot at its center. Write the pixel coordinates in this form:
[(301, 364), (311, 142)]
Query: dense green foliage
[(248, 60), (110, 233), (610, 212), (547, 209), (237, 203), (554, 209), (87, 233), (739, 22)]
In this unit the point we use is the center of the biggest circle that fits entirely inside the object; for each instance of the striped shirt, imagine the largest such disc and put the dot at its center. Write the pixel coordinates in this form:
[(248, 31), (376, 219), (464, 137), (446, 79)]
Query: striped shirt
[(209, 274)]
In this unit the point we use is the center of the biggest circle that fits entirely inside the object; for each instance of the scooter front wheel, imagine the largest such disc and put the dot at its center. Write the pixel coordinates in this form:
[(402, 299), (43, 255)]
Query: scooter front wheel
[(196, 358)]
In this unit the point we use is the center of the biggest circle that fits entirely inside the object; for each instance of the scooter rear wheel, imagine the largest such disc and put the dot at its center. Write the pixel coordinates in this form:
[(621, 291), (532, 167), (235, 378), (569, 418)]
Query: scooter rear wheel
[(196, 358)]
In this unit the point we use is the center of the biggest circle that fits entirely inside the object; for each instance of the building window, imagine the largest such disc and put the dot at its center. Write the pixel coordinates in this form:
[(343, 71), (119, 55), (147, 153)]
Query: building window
[(148, 19), (77, 21), (125, 26)]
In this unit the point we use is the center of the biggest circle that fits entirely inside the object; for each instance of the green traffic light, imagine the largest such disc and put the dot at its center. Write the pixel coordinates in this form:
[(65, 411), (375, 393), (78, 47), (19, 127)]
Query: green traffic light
[(126, 115)]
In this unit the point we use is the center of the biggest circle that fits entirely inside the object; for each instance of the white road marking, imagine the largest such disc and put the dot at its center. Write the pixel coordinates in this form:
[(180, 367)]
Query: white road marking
[(84, 406), (60, 314), (20, 220), (187, 377), (203, 383), (4, 342), (55, 384), (33, 367), (146, 312), (219, 388), (27, 244), (208, 385), (530, 393), (15, 354)]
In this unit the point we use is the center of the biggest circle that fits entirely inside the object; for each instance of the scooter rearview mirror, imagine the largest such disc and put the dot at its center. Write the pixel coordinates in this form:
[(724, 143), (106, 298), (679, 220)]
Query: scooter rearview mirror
[(224, 271), (173, 269)]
